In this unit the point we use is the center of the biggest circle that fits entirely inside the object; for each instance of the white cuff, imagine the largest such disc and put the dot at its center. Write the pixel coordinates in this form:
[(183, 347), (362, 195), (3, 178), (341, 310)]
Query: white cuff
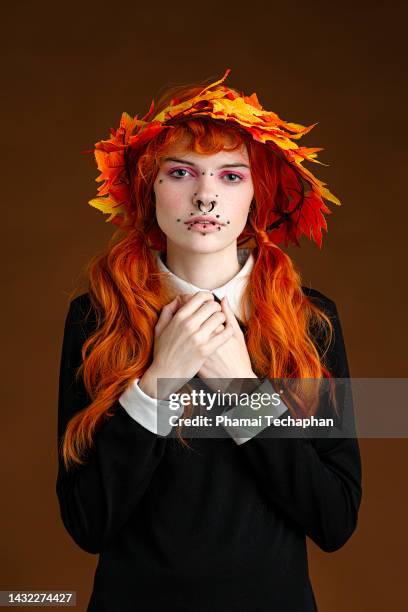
[(152, 413), (241, 433)]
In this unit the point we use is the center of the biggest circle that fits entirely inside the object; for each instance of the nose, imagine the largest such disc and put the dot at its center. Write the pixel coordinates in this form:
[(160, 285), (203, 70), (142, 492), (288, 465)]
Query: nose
[(206, 209), (205, 188), (205, 202)]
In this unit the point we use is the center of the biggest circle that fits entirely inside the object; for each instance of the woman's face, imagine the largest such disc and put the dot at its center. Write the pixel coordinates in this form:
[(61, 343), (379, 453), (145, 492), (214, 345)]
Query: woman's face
[(186, 177)]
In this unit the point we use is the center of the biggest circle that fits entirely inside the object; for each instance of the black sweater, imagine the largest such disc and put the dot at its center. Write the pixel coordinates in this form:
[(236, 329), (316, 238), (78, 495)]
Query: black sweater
[(218, 528)]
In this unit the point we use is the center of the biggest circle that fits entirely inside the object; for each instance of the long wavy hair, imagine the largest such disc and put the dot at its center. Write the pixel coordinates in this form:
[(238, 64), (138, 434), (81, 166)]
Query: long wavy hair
[(127, 291)]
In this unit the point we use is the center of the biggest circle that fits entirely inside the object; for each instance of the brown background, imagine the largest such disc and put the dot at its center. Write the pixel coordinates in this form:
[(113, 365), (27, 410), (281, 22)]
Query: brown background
[(68, 72)]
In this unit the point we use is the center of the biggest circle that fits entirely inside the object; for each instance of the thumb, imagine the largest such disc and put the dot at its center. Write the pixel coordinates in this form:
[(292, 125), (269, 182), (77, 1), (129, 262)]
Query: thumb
[(167, 314)]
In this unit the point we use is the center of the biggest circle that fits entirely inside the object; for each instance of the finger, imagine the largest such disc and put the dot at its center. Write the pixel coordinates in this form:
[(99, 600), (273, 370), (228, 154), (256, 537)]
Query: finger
[(219, 329), (167, 313), (185, 297), (231, 318), (196, 301), (216, 340)]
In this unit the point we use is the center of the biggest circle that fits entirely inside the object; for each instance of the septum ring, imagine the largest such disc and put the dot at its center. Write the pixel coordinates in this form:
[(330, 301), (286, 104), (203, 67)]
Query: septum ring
[(212, 207)]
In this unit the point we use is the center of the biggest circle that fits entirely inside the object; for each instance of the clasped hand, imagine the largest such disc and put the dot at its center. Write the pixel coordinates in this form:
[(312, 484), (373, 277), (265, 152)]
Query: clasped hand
[(231, 359)]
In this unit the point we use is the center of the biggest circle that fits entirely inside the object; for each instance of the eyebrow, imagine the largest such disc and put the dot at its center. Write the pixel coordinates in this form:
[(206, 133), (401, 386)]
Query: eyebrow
[(184, 161)]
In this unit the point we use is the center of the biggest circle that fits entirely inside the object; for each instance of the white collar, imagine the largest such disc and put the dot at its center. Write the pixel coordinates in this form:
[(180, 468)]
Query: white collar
[(233, 289)]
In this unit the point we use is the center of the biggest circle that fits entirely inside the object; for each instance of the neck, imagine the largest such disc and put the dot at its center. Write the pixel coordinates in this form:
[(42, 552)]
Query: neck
[(205, 270)]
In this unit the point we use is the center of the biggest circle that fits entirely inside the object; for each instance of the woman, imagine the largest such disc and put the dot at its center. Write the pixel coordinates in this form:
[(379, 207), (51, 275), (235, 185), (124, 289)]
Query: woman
[(206, 523)]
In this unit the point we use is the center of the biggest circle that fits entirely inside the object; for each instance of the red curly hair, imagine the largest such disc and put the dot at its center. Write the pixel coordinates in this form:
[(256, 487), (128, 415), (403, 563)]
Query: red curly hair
[(127, 292)]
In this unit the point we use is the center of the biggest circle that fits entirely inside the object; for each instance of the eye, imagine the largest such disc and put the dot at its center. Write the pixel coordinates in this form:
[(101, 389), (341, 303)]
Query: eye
[(234, 174), (177, 170)]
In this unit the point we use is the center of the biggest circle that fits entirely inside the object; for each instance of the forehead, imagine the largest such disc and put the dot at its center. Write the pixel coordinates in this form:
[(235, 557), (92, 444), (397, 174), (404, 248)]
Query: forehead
[(182, 149)]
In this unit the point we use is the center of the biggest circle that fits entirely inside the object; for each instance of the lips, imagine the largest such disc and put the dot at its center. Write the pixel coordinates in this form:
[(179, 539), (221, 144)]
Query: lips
[(203, 220)]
